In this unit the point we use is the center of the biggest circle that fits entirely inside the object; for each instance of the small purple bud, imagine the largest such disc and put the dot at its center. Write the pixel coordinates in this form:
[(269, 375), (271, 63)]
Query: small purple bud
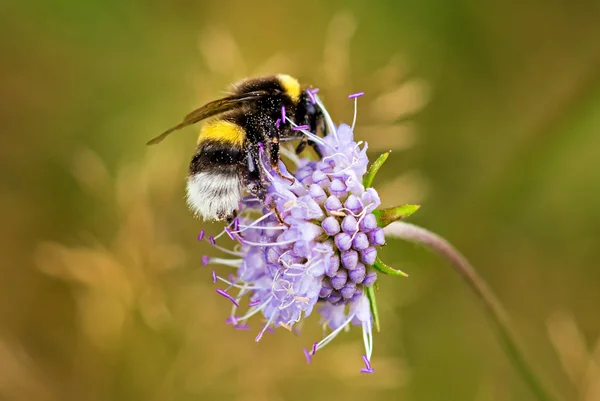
[(377, 237), (335, 297), (326, 289), (361, 242), (325, 166), (348, 290), (350, 259), (358, 274), (331, 225), (368, 223), (333, 203), (344, 241), (320, 179), (333, 266), (303, 173), (317, 193), (368, 256), (338, 188), (353, 204), (349, 224), (339, 280), (370, 278)]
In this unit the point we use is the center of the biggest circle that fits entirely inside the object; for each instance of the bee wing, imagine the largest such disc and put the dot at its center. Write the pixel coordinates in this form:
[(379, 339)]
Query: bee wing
[(211, 109)]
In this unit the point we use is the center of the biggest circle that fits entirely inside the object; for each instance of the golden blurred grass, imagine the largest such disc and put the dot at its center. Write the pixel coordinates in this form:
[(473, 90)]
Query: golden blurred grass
[(490, 108)]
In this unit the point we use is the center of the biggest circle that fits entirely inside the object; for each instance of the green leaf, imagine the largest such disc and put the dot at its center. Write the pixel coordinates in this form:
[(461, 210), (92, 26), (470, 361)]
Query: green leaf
[(368, 180), (385, 269), (387, 216), (373, 305)]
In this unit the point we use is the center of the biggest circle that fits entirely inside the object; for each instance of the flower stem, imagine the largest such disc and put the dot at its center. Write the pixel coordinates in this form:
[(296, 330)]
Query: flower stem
[(496, 312)]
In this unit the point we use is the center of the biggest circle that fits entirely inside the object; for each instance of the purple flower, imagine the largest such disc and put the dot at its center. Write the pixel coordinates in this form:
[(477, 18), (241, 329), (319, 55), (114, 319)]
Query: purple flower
[(321, 257)]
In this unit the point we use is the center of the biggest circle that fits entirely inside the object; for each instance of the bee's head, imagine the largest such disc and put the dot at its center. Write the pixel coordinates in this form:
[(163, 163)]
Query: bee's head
[(308, 113)]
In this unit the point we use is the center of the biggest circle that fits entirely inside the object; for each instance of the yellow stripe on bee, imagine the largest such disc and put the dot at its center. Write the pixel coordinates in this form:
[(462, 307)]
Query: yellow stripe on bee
[(223, 131), (290, 85)]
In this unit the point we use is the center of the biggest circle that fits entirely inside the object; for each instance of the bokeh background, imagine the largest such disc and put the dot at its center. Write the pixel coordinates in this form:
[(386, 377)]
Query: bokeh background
[(492, 112)]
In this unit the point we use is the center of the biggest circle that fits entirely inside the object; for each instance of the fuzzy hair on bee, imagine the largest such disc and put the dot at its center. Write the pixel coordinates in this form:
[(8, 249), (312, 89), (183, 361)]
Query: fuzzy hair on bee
[(257, 115)]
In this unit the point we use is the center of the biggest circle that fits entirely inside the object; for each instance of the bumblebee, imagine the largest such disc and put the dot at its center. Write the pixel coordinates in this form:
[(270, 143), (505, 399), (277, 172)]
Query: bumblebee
[(244, 126)]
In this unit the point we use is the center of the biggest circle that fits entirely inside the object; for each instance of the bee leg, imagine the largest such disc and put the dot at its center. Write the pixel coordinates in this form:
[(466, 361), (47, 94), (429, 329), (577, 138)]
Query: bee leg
[(256, 188), (274, 155), (302, 145), (231, 217), (280, 217), (316, 149)]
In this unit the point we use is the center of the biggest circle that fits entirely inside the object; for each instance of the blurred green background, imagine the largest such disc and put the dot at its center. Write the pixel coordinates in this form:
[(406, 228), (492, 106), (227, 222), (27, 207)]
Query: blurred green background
[(491, 109)]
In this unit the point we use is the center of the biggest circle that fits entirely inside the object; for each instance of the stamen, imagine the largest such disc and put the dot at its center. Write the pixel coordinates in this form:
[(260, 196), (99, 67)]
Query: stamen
[(356, 95), (314, 348), (355, 113), (368, 368), (226, 295), (334, 333), (212, 241), (310, 135), (259, 336), (214, 277), (201, 235), (306, 354), (228, 251), (205, 260), (246, 242), (231, 320), (226, 262), (328, 120), (301, 127), (241, 327), (311, 94), (236, 224), (255, 310), (254, 303), (283, 114), (278, 122), (228, 231), (255, 222)]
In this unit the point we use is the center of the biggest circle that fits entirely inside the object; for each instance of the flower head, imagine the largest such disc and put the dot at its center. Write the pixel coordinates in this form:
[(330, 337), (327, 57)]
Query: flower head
[(325, 253)]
